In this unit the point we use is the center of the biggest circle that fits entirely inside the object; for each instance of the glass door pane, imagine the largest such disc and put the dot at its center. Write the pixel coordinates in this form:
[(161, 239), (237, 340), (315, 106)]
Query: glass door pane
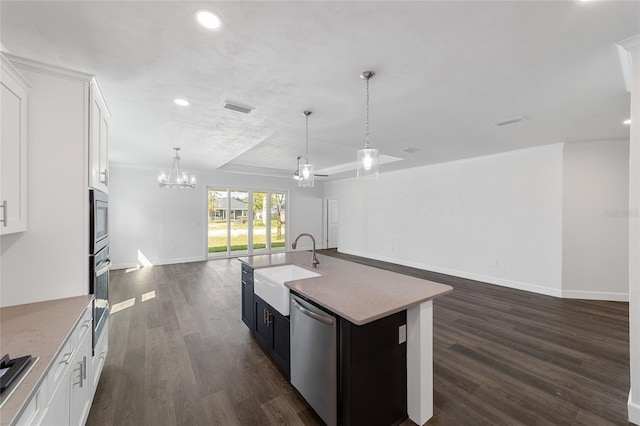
[(278, 221), (218, 235), (239, 220), (261, 223)]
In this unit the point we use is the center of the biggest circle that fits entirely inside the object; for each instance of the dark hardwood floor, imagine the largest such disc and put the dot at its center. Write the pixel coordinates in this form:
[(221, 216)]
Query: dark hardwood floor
[(180, 355)]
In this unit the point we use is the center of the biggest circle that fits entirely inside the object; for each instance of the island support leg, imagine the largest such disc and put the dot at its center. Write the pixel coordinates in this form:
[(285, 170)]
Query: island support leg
[(420, 362)]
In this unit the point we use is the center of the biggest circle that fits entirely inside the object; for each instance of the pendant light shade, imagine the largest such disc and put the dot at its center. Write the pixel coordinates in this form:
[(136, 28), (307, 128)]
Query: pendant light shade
[(177, 178), (367, 159), (305, 172)]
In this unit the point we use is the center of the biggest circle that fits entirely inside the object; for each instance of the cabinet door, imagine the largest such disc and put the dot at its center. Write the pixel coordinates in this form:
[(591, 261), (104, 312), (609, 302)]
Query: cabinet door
[(58, 410), (280, 347), (247, 298), (261, 327), (99, 358), (98, 141), (80, 383), (13, 150)]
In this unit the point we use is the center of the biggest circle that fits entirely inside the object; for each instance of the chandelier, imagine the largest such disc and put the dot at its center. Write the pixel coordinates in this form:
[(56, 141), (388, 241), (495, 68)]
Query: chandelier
[(177, 178)]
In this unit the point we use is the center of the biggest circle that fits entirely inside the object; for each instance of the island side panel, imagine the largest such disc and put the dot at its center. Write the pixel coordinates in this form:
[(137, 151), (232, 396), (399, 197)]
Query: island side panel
[(420, 362)]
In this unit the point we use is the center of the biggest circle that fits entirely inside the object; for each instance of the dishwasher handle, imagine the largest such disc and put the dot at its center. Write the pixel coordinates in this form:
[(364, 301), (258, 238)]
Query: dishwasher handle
[(317, 317)]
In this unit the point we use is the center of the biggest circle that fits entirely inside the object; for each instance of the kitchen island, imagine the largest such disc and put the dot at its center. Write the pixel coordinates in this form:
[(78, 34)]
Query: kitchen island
[(362, 295)]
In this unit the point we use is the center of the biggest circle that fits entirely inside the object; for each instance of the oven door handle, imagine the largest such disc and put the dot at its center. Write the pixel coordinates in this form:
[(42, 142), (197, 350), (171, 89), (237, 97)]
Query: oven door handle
[(104, 269)]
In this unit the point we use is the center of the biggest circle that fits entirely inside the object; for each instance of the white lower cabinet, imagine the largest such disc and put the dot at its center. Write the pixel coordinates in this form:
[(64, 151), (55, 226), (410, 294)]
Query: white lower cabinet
[(80, 383), (66, 393), (99, 357)]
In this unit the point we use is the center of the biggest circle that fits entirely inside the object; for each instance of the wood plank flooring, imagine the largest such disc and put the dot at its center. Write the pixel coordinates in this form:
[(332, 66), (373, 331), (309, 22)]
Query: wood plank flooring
[(501, 356)]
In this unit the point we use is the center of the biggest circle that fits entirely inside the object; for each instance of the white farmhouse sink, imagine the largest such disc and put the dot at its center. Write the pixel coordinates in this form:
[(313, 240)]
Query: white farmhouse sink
[(268, 283)]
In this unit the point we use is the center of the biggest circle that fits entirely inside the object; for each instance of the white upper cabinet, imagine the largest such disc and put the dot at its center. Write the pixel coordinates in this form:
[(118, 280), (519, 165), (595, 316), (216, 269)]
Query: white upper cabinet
[(13, 150), (98, 140)]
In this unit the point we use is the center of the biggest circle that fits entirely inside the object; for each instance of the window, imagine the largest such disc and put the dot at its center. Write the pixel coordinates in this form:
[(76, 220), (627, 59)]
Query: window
[(244, 222)]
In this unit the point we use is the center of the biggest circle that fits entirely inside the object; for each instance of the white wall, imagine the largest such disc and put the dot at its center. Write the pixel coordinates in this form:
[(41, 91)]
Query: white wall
[(169, 226), (50, 260), (496, 219), (595, 248)]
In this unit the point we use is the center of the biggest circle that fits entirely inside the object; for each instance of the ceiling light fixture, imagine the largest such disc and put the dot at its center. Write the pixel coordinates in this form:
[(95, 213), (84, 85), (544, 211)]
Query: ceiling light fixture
[(367, 159), (305, 172), (627, 121), (177, 178), (209, 20), (296, 174), (181, 102)]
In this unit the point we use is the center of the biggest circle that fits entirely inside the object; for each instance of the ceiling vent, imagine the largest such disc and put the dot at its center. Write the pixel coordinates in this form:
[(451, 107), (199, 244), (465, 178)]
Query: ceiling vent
[(238, 108), (410, 150), (511, 121)]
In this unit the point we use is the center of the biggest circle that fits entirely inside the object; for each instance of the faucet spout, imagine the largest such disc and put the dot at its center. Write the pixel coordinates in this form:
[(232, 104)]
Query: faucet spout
[(314, 260)]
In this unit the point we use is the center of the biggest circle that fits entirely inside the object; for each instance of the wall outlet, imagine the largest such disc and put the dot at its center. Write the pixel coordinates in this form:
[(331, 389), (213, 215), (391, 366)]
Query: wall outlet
[(402, 334), (494, 262)]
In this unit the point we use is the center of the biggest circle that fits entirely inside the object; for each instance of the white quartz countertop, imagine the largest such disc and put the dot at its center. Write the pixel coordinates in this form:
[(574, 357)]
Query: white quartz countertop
[(358, 293), (36, 329)]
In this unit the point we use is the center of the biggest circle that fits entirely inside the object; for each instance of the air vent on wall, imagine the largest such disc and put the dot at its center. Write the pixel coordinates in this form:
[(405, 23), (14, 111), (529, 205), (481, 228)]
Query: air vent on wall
[(511, 121), (237, 108)]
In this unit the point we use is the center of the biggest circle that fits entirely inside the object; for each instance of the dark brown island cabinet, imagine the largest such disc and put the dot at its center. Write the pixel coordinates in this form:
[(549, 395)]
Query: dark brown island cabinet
[(372, 375)]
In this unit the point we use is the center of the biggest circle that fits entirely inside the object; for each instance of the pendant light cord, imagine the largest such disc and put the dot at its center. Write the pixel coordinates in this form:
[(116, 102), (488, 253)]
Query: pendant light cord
[(367, 132), (306, 152)]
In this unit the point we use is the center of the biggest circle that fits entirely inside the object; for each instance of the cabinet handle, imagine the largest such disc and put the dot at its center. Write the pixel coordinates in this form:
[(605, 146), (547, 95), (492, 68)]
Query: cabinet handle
[(67, 358), (269, 318), (244, 282), (4, 213), (264, 316), (84, 368), (86, 323)]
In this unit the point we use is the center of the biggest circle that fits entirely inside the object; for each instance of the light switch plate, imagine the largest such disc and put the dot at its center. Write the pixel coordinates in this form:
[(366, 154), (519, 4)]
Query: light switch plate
[(402, 334)]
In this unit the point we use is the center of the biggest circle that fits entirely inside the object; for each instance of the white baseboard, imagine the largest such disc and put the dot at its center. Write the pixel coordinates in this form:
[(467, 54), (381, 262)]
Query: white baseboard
[(157, 262), (519, 285), (595, 295), (633, 410)]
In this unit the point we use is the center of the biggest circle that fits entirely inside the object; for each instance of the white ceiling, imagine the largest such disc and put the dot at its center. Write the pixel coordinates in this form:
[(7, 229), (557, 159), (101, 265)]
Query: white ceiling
[(446, 71)]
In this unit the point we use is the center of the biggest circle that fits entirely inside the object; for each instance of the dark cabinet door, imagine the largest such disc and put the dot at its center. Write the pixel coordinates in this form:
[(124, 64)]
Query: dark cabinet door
[(261, 327), (248, 313), (280, 347), (272, 332), (373, 370)]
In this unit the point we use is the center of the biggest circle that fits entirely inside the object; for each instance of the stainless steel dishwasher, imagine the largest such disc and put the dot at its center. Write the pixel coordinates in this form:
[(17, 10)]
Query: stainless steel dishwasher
[(314, 357)]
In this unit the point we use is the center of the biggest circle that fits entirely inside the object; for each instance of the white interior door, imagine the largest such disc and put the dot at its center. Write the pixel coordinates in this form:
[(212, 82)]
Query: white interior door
[(332, 223)]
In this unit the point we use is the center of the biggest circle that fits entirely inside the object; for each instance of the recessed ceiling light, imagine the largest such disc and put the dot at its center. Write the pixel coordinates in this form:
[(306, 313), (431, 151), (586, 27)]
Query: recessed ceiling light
[(181, 102), (627, 121), (208, 19)]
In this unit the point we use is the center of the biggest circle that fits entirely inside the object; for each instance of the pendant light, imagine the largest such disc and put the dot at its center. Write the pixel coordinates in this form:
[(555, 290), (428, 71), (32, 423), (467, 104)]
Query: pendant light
[(177, 178), (305, 173), (367, 157)]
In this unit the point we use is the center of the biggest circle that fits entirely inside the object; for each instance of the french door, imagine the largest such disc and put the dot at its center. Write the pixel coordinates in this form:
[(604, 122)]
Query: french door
[(245, 222)]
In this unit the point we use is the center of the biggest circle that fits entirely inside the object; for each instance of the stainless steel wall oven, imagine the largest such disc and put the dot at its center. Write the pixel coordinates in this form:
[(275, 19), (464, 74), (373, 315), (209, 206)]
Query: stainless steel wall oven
[(99, 261)]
